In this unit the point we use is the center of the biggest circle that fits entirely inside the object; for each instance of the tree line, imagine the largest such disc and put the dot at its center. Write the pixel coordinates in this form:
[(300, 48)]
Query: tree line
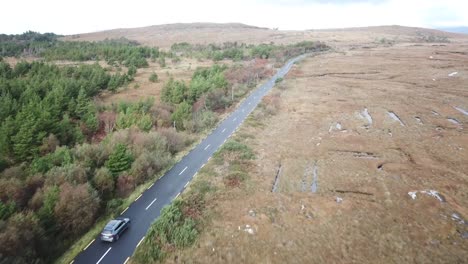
[(115, 51), (242, 51)]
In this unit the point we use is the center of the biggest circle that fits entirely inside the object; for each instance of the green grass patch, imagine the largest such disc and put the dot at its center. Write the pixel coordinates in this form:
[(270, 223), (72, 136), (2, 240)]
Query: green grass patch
[(244, 151), (173, 229)]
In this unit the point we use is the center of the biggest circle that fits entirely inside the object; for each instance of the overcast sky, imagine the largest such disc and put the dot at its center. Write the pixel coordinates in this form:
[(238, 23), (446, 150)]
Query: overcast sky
[(79, 16)]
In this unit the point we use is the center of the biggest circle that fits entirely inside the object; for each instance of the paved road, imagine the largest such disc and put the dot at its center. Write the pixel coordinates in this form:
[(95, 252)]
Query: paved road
[(147, 207)]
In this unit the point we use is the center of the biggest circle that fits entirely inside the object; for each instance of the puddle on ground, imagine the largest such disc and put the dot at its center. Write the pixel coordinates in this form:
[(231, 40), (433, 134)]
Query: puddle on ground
[(395, 117), (365, 114), (454, 121), (463, 111), (314, 186), (418, 119)]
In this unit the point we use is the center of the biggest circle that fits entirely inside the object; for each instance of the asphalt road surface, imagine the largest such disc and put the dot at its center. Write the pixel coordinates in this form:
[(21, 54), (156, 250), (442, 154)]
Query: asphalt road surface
[(146, 208)]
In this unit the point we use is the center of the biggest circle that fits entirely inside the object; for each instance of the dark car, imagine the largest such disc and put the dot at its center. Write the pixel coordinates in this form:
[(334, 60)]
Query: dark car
[(114, 229)]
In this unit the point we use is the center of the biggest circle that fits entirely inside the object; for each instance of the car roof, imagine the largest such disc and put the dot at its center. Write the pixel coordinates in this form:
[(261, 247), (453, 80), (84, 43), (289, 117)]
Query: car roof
[(112, 224)]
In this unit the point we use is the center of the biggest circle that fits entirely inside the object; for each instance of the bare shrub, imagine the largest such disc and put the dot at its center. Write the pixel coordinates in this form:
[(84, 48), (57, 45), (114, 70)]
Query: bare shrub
[(148, 164), (125, 185), (176, 141), (49, 144), (162, 114), (76, 208), (72, 173), (152, 142), (91, 155), (108, 119)]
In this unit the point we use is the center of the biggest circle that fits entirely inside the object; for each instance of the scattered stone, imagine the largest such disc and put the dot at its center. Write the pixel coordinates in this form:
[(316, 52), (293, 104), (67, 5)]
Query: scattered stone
[(453, 74), (252, 213), (432, 193), (338, 199), (249, 229)]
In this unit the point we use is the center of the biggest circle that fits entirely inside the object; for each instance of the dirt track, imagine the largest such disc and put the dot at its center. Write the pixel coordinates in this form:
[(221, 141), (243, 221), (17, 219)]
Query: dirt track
[(367, 173)]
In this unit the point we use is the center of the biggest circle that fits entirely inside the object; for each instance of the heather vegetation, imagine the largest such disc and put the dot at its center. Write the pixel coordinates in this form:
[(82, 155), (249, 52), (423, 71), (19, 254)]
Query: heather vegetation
[(237, 52), (181, 222)]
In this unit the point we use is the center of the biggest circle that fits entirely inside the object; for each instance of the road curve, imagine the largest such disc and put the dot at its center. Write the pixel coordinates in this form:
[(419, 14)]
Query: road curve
[(147, 207)]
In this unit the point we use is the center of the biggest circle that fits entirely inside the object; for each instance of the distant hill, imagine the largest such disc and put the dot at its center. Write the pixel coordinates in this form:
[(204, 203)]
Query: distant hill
[(204, 33), (463, 30)]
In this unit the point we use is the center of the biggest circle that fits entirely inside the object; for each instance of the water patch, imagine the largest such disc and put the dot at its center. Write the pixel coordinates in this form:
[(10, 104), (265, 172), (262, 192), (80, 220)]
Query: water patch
[(418, 119), (314, 182), (337, 126), (463, 111), (365, 114), (432, 193), (454, 121), (395, 117)]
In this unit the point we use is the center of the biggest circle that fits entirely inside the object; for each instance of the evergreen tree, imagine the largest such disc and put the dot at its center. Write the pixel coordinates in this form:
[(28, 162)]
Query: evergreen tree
[(120, 160)]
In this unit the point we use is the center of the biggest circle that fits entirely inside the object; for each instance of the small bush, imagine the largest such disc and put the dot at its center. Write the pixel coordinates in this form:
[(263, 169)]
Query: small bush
[(171, 229), (234, 146), (154, 77)]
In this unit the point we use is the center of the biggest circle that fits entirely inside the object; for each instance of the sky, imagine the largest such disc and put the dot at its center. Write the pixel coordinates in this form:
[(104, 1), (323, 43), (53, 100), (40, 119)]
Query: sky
[(81, 16)]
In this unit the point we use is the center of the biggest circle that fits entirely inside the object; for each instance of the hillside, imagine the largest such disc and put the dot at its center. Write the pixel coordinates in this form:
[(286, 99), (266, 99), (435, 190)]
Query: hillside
[(204, 33)]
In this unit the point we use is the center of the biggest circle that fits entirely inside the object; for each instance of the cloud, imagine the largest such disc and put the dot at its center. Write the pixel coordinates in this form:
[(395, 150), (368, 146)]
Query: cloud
[(70, 17)]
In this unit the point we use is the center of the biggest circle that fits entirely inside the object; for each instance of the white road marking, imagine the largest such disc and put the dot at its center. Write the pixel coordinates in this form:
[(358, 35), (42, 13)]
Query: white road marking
[(223, 130), (104, 255), (88, 245), (185, 186), (128, 258), (124, 210), (207, 146), (177, 195), (203, 165), (209, 159), (141, 240), (183, 170), (150, 186), (151, 203), (195, 174), (138, 197), (72, 262)]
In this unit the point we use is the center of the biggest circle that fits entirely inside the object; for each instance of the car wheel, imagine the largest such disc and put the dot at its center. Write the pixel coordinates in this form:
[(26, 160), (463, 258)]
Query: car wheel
[(117, 237)]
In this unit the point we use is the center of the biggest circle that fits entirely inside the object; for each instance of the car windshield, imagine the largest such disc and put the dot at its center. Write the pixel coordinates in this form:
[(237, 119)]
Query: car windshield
[(110, 226)]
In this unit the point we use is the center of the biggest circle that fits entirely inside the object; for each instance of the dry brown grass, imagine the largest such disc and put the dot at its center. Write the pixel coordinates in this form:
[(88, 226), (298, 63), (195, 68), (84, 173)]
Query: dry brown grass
[(205, 33), (379, 222)]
